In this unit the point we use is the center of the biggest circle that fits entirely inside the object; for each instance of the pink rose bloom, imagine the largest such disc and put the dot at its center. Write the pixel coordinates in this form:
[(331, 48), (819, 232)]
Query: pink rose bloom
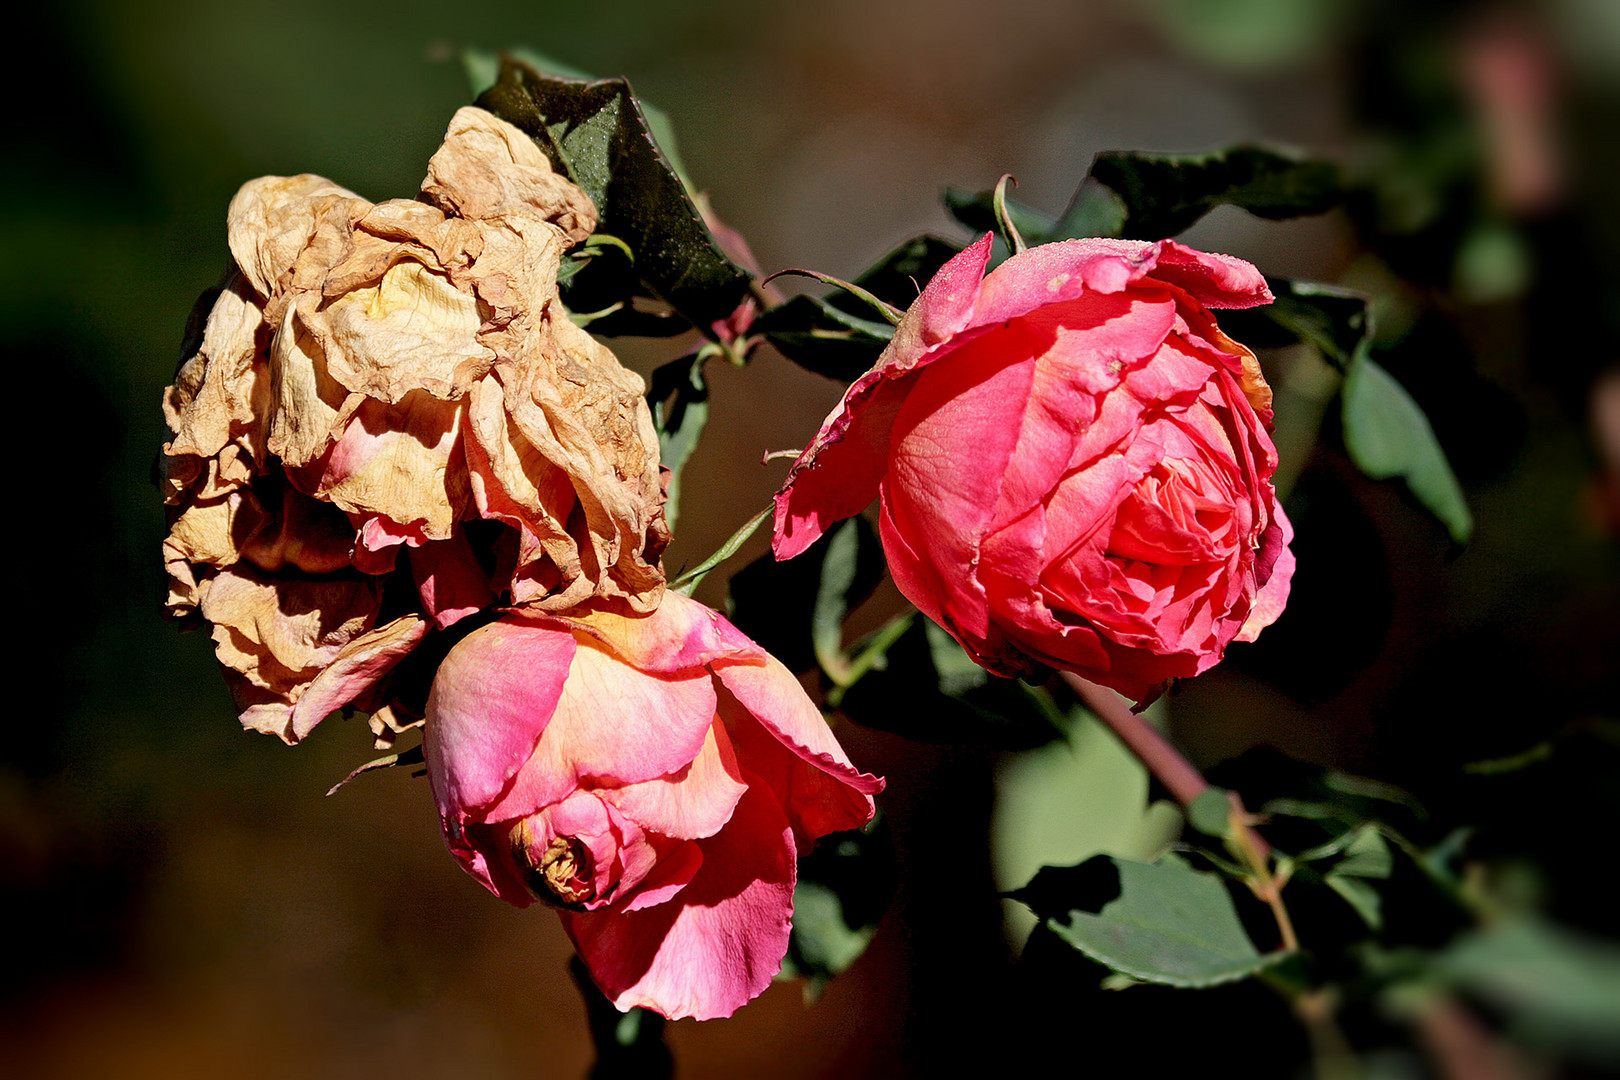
[(653, 778), (1074, 462)]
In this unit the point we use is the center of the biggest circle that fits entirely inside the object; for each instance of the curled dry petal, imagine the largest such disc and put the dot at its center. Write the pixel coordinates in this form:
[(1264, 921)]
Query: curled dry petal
[(395, 387)]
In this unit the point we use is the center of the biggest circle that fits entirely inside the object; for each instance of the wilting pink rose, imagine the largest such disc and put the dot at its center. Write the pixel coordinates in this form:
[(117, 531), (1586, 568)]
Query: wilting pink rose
[(1073, 462), (654, 778)]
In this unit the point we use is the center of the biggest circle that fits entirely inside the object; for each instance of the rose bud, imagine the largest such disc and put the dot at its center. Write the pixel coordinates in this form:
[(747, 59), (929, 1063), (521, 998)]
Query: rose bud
[(1073, 462), (396, 387), (654, 779)]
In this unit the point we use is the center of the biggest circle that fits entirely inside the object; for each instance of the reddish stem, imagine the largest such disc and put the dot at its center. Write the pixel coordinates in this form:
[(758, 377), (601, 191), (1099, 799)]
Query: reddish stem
[(1153, 750)]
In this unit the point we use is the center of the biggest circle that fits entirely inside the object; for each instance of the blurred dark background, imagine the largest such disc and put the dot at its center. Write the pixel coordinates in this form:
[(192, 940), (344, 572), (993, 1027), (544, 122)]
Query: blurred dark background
[(183, 899)]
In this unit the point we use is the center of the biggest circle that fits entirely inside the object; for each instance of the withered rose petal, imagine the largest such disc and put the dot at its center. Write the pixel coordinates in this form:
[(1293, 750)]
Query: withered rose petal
[(281, 631), (487, 168), (218, 394), (357, 667), (411, 330), (396, 388), (399, 461), (278, 225), (308, 406)]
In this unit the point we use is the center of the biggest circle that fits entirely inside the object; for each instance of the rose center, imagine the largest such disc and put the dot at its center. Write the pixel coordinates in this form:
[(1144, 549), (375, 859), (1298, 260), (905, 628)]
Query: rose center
[(560, 872)]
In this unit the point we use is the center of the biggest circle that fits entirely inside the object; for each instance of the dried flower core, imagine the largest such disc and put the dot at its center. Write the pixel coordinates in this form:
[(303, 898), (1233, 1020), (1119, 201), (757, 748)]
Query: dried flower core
[(558, 874)]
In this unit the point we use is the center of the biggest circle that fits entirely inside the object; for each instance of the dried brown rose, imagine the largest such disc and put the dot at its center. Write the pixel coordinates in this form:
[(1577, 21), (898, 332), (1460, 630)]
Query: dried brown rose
[(391, 395)]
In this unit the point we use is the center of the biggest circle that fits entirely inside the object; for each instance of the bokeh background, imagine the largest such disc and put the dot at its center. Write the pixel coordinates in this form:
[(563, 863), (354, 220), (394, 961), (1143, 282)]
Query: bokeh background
[(185, 902)]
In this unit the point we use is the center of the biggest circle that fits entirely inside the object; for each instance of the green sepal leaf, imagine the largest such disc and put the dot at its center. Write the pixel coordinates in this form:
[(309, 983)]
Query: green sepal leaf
[(596, 133), (688, 582), (1388, 435), (977, 211), (1095, 210), (1164, 194), (1157, 922), (900, 275)]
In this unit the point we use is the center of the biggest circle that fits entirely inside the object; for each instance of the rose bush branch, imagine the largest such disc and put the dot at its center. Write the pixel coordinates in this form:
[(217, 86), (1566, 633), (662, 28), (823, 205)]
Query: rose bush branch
[(1185, 783)]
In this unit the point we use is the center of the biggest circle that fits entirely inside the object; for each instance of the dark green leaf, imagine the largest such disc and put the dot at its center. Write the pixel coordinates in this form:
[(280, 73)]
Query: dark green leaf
[(899, 276), (823, 338), (1338, 322), (1385, 432), (846, 564), (1364, 857), (1095, 210), (1160, 923), (957, 672), (1210, 812), (1388, 435), (1164, 194), (840, 336), (844, 887), (911, 696), (776, 603), (1554, 986), (596, 133), (679, 397)]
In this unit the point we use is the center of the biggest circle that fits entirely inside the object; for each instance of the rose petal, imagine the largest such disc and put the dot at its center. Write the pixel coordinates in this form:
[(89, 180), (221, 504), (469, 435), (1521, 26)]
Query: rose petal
[(493, 697), (813, 778), (659, 725), (692, 802), (720, 941)]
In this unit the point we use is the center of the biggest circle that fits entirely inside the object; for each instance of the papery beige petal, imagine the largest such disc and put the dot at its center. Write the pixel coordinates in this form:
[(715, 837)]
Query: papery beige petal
[(280, 631), (487, 168), (388, 722), (515, 282), (357, 667), (410, 331), (216, 404), (309, 405), (571, 404), (405, 228), (298, 533), (278, 226), (401, 461), (205, 531), (224, 391)]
